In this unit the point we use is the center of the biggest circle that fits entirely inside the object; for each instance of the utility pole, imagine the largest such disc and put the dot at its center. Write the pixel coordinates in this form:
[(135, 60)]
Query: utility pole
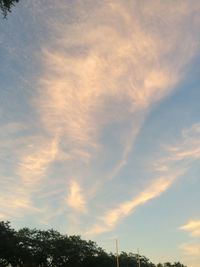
[(139, 265), (117, 253)]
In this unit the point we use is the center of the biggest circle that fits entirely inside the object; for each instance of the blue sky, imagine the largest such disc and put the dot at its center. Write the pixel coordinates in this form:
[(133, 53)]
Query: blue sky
[(100, 124)]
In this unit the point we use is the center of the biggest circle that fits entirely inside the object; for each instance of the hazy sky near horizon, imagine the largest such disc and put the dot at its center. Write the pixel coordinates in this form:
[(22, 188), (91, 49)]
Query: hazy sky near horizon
[(100, 122)]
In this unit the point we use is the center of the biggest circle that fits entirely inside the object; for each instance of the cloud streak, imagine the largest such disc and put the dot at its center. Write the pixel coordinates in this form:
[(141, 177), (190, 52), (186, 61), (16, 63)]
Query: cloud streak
[(104, 66), (84, 77), (191, 249), (114, 73), (168, 170), (112, 218), (108, 69), (75, 198), (35, 161), (193, 227)]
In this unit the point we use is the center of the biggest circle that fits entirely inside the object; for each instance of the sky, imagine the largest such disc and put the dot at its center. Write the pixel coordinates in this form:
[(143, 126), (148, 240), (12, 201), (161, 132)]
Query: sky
[(100, 123)]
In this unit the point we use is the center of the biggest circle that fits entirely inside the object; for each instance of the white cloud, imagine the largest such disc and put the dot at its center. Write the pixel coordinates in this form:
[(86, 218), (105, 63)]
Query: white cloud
[(111, 218), (75, 198), (190, 249), (168, 170), (16, 202), (110, 65), (36, 159), (193, 227), (119, 60)]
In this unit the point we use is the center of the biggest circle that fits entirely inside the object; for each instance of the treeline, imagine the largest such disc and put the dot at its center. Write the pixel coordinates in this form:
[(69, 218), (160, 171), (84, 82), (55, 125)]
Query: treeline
[(6, 5), (48, 248)]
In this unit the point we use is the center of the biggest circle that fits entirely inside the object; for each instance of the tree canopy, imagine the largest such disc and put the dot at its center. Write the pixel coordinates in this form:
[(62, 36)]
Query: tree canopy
[(6, 5), (48, 248)]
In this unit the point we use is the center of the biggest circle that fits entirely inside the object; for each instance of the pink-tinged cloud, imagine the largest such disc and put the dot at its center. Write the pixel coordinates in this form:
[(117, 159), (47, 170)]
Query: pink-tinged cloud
[(36, 160), (191, 249), (75, 198), (168, 169), (192, 227), (111, 218), (111, 65), (111, 59)]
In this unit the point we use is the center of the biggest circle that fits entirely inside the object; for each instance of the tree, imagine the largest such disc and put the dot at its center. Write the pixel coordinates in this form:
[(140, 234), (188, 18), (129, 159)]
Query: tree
[(9, 249), (6, 5), (178, 264), (48, 248)]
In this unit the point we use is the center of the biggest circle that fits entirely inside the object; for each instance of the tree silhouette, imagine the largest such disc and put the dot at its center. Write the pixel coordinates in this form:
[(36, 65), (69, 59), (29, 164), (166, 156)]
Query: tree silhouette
[(6, 5), (48, 248)]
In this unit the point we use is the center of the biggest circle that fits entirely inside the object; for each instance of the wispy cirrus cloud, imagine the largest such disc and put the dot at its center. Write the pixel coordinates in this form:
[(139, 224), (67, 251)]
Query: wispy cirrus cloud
[(118, 61), (192, 227), (113, 74), (168, 170), (112, 217), (99, 70), (191, 249), (16, 201), (75, 198), (15, 195), (35, 161), (28, 166), (80, 151)]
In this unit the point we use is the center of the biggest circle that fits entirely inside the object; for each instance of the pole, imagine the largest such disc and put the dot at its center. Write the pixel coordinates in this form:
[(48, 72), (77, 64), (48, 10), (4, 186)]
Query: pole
[(117, 253), (139, 265)]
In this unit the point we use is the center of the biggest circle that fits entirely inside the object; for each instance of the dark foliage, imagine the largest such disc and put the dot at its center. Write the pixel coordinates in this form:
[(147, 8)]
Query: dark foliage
[(48, 248), (6, 5)]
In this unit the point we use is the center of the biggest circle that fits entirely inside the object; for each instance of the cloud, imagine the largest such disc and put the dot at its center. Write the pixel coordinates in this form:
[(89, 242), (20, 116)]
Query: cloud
[(75, 198), (113, 73), (166, 171), (16, 201), (36, 159), (108, 69), (102, 65), (26, 161), (193, 227), (117, 68), (113, 217), (29, 165), (190, 249), (183, 153)]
